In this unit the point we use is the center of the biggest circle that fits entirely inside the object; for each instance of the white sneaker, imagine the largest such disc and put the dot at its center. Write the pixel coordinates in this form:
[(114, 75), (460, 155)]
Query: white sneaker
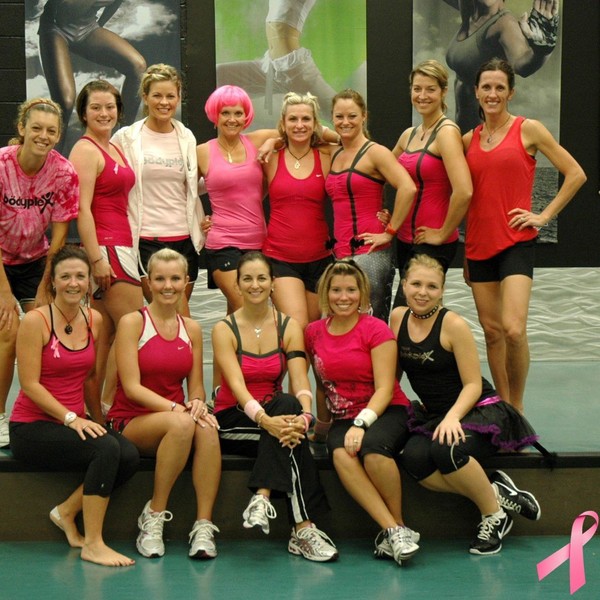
[(202, 540), (313, 544), (149, 542), (383, 548), (258, 512), (401, 541), (4, 437)]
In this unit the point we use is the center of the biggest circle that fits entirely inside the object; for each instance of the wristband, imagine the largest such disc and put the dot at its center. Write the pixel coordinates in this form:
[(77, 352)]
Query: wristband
[(389, 229), (322, 427), (251, 409), (368, 416), (309, 420), (304, 393)]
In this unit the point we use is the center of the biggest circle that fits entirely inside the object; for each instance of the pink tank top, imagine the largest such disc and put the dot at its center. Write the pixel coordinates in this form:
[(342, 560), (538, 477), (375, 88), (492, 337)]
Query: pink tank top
[(297, 231), (111, 196), (63, 374), (235, 191), (164, 364)]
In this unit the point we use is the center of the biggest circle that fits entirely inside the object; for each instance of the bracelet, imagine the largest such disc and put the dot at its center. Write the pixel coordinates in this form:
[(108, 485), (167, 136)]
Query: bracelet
[(389, 229), (309, 420), (322, 427), (98, 260), (368, 416), (304, 393), (251, 409), (260, 418)]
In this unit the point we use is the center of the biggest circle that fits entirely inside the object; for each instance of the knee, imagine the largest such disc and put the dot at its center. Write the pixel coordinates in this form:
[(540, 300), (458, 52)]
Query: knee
[(515, 333), (341, 459), (283, 404), (492, 331), (136, 67), (419, 465), (182, 425), (374, 462)]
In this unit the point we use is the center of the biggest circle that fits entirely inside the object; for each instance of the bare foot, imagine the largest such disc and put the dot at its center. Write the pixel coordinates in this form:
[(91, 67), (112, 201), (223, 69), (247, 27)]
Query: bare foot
[(101, 554), (67, 524)]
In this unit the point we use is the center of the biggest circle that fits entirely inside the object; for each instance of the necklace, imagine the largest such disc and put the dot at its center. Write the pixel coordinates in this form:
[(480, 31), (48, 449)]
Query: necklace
[(425, 131), (68, 326), (492, 132), (425, 316), (298, 159), (258, 328), (228, 150)]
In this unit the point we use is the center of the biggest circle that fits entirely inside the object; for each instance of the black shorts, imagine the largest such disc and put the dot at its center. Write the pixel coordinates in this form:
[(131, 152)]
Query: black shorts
[(185, 247), (308, 272), (24, 279), (386, 436), (516, 260), (444, 253), (223, 259)]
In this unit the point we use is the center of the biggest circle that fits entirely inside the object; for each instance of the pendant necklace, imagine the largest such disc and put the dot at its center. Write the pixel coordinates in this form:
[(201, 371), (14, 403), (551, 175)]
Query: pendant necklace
[(425, 316), (258, 328), (424, 131), (491, 133), (228, 150), (298, 159), (68, 326)]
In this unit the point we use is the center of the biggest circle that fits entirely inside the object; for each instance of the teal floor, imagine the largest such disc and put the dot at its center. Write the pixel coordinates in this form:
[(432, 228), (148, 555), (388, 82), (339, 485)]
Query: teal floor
[(263, 569)]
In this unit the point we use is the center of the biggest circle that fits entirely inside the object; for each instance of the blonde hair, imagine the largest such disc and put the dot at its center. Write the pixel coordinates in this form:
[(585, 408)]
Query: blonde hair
[(435, 70), (166, 255), (344, 267), (293, 99), (156, 73), (424, 260), (35, 104)]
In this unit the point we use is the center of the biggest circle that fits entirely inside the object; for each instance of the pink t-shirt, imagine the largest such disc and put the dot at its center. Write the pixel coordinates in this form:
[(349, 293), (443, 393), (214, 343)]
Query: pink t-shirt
[(63, 374), (31, 203), (235, 191), (164, 364), (343, 364)]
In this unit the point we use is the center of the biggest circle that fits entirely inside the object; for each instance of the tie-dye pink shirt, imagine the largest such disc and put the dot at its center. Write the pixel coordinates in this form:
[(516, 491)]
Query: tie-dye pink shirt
[(30, 204)]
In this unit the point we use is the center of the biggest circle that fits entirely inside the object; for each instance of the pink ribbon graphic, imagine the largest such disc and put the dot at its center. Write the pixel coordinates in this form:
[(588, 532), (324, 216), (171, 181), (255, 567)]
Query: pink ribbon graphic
[(572, 552)]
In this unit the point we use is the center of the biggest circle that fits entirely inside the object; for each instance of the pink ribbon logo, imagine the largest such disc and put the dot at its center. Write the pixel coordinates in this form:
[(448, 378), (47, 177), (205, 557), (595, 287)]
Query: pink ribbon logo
[(572, 552)]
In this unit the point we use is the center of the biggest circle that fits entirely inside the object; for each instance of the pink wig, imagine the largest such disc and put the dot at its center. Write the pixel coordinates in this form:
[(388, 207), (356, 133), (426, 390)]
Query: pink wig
[(228, 95)]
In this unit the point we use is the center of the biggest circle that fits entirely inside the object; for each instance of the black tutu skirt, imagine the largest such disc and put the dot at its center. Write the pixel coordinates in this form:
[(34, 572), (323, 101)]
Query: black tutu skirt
[(509, 429)]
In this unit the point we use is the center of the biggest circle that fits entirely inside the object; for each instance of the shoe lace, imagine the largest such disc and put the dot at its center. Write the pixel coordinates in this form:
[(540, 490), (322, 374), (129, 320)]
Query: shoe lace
[(317, 537), (203, 531), (153, 523), (259, 506), (487, 526)]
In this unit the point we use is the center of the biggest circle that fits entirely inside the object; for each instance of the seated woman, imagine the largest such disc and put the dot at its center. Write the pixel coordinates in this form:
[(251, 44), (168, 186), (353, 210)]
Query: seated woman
[(354, 356), (461, 419), (254, 347), (150, 408), (48, 426)]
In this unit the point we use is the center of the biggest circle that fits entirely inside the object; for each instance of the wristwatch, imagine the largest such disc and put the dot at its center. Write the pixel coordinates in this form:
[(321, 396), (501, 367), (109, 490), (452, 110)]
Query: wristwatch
[(69, 418), (360, 423)]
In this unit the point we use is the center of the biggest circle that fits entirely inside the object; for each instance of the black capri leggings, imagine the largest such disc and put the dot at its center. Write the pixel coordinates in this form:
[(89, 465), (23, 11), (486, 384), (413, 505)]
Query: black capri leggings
[(423, 456), (108, 460)]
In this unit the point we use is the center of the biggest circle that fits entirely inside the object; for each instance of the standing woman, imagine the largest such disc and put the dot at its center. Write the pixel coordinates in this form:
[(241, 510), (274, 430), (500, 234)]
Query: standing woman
[(48, 427), (501, 229), (359, 170), (460, 419), (164, 207), (297, 240), (432, 153), (255, 347), (151, 409), (364, 415), (105, 180), (40, 190), (235, 184)]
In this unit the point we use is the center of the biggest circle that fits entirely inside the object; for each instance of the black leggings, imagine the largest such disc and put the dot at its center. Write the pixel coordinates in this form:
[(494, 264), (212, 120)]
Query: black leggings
[(292, 473), (423, 456), (108, 460)]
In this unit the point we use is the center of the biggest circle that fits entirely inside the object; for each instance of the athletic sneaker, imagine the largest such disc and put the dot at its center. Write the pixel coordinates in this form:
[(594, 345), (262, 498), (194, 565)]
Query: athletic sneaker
[(149, 542), (510, 497), (383, 549), (313, 544), (492, 530), (401, 542), (258, 512), (202, 540), (4, 437)]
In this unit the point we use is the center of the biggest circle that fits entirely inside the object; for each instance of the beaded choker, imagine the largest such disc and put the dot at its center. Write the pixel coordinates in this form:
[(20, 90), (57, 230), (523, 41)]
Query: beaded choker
[(425, 316)]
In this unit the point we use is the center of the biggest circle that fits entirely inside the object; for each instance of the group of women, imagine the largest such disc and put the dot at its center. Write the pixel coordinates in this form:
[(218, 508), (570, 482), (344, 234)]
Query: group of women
[(142, 227)]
